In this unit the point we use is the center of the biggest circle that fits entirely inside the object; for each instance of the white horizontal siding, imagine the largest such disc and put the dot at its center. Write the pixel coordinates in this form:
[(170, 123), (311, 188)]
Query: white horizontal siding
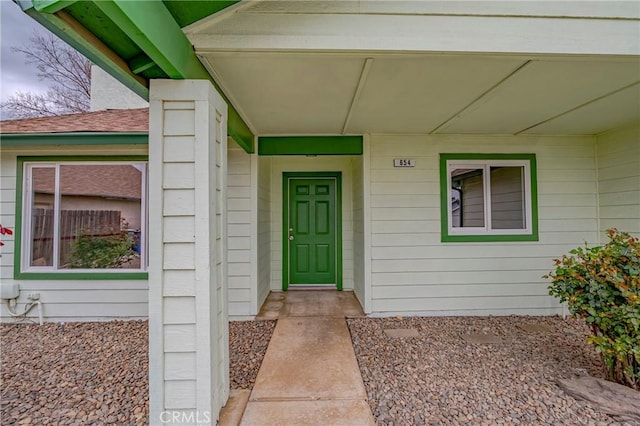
[(431, 238), (499, 305), (240, 223), (179, 310), (188, 343), (461, 290), (432, 278), (66, 300), (180, 366), (413, 272), (463, 252), (264, 229), (619, 180), (176, 309), (359, 273), (497, 264), (179, 394), (83, 311), (82, 296)]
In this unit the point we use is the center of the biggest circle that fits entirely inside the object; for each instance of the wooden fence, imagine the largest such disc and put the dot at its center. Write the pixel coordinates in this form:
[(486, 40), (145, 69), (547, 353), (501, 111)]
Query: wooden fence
[(96, 223)]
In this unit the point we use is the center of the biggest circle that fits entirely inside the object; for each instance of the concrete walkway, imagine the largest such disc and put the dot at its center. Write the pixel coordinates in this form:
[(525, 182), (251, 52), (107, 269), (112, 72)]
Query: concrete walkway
[(309, 375)]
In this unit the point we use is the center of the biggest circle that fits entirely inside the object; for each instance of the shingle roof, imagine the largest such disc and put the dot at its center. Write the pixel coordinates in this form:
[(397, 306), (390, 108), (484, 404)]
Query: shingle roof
[(111, 120), (97, 180)]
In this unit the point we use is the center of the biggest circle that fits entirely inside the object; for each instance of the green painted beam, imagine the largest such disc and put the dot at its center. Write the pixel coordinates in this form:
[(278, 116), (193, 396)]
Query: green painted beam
[(237, 128), (74, 34), (187, 12), (152, 27), (310, 145), (75, 138), (140, 64), (51, 6)]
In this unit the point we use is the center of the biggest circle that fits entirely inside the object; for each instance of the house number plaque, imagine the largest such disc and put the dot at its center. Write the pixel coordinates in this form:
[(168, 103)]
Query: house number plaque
[(404, 162)]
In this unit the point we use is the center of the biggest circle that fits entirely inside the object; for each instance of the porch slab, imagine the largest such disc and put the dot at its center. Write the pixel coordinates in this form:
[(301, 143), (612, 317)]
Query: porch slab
[(311, 303), (232, 412), (343, 412), (481, 338), (309, 358)]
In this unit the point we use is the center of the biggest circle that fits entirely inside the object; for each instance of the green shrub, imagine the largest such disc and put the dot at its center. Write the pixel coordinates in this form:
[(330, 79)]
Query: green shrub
[(100, 252), (602, 285)]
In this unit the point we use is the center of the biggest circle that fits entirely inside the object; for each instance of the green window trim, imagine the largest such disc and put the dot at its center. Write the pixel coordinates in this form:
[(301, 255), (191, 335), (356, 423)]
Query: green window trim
[(62, 275), (285, 222), (532, 199), (59, 276), (74, 138)]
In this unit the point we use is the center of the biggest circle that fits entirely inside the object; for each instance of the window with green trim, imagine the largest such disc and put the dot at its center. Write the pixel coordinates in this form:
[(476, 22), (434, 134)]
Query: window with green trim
[(82, 215), (488, 197)]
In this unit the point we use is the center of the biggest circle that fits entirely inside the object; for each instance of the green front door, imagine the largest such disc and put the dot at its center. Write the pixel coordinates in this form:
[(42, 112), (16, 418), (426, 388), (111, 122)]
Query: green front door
[(311, 237)]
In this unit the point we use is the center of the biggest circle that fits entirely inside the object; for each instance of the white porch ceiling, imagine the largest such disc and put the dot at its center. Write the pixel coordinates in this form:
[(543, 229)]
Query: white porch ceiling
[(318, 67), (328, 93)]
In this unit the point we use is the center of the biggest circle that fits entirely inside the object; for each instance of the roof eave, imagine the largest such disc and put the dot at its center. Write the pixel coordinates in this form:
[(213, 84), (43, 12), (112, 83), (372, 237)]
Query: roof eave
[(147, 25)]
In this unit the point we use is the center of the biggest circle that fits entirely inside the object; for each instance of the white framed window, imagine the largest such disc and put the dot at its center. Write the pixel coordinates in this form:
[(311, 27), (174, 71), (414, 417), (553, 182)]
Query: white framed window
[(488, 197), (83, 215)]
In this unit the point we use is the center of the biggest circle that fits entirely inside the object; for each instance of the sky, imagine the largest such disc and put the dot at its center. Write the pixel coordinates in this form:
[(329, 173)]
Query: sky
[(15, 29)]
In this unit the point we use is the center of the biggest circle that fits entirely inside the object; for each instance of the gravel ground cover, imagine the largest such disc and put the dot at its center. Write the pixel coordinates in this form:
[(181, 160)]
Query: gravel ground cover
[(88, 373), (97, 373), (438, 378), (248, 341)]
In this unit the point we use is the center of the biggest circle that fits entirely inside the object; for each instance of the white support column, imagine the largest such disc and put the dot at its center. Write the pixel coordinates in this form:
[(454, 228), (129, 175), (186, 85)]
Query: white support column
[(188, 323), (366, 178)]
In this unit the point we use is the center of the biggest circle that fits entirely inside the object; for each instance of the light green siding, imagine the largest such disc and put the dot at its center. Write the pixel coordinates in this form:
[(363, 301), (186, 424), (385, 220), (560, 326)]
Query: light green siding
[(359, 255), (264, 229), (188, 309), (66, 300), (618, 156), (412, 271), (240, 218)]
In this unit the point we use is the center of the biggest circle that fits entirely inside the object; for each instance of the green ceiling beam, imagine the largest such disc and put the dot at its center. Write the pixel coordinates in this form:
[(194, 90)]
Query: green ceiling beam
[(237, 128), (73, 33), (152, 27), (51, 6), (187, 12), (140, 64)]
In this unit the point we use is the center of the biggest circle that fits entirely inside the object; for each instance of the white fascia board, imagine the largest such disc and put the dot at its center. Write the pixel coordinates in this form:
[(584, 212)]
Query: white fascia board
[(611, 9), (216, 17), (415, 33)]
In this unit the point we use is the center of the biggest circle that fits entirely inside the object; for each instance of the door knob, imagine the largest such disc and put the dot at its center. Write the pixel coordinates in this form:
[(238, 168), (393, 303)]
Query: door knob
[(290, 237)]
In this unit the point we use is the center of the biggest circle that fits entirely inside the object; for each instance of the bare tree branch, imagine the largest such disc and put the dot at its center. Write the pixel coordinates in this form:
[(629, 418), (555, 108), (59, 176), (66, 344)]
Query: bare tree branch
[(68, 71), (29, 105)]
